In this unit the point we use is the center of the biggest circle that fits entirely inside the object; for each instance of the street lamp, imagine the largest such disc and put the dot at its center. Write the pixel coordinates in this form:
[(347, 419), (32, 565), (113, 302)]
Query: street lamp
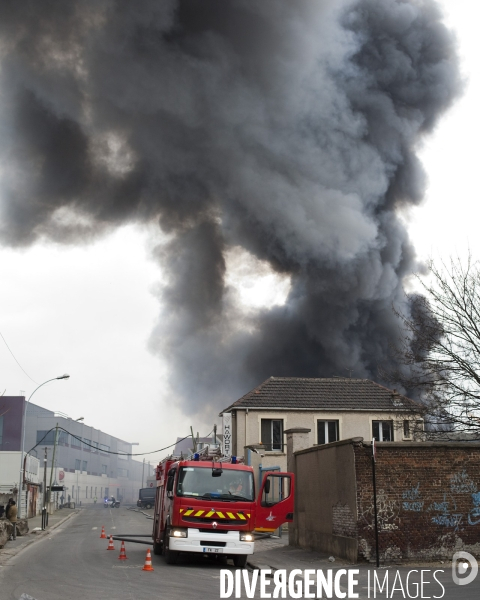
[(78, 493), (22, 468)]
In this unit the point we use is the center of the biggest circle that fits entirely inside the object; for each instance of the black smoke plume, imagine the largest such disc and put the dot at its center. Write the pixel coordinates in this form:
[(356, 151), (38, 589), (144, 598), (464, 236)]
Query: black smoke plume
[(284, 129)]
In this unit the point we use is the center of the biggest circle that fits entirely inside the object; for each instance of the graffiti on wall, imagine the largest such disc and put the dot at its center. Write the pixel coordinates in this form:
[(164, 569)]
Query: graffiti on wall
[(411, 499), (446, 512), (460, 483), (387, 513), (474, 514)]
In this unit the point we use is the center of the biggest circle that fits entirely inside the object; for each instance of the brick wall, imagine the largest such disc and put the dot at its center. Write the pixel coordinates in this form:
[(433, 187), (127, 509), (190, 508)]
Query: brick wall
[(428, 500)]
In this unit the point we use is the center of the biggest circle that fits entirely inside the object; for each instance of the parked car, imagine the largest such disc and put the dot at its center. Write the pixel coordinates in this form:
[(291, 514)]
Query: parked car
[(146, 497)]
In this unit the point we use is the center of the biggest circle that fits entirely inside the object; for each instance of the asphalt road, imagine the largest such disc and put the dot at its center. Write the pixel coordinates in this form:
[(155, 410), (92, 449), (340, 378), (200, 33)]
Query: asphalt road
[(73, 563)]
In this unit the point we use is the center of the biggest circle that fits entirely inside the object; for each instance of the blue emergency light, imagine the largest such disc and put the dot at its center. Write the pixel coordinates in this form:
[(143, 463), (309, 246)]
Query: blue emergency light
[(234, 460), (196, 456)]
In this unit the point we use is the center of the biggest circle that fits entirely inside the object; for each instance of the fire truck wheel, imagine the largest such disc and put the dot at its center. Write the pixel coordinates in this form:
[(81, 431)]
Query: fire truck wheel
[(157, 548), (240, 560), (170, 556)]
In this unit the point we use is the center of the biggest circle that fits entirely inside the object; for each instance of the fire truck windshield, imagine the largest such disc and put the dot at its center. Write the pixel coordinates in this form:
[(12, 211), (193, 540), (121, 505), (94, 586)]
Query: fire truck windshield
[(231, 485)]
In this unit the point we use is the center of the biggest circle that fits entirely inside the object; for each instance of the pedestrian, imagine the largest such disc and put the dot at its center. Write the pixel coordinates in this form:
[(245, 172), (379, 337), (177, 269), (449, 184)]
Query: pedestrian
[(12, 517), (9, 505), (95, 500)]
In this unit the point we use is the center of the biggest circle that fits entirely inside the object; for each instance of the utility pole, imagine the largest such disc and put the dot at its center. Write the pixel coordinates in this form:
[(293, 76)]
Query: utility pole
[(143, 471), (193, 439), (44, 509), (215, 434), (53, 462)]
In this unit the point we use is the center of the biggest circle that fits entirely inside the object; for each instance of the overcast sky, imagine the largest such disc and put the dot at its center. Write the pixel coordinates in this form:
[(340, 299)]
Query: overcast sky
[(89, 311)]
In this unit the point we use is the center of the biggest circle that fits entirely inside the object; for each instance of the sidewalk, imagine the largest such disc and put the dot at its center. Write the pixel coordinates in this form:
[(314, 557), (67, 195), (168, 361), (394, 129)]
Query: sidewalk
[(275, 553), (13, 547)]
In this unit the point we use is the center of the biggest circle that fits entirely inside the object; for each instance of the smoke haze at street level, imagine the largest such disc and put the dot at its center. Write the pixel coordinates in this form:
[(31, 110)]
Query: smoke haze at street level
[(286, 130)]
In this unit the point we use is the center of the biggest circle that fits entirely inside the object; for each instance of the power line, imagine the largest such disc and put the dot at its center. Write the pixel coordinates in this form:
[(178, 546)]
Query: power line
[(108, 451), (5, 341)]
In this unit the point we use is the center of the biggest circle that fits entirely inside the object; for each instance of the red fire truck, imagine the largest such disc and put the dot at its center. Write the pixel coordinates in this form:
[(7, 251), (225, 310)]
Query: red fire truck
[(207, 504)]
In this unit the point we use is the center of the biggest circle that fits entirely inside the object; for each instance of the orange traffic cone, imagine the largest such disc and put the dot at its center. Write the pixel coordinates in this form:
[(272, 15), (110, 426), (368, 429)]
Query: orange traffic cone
[(148, 562), (103, 535), (110, 544), (123, 555)]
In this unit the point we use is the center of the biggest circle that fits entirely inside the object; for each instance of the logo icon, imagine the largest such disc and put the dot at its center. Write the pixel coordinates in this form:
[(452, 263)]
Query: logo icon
[(461, 563), (214, 524), (271, 517)]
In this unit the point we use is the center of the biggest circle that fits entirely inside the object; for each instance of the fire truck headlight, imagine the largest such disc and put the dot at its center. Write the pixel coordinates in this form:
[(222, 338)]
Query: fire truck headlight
[(179, 532), (246, 537)]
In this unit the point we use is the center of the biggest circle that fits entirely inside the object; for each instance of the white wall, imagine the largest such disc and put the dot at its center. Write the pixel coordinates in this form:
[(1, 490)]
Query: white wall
[(92, 485), (10, 476), (351, 424)]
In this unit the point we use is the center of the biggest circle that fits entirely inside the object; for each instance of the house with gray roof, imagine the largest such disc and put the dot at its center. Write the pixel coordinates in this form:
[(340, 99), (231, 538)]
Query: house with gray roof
[(332, 408)]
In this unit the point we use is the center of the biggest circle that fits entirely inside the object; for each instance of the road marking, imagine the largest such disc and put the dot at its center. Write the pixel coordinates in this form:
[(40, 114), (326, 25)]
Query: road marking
[(126, 566), (94, 527), (112, 527)]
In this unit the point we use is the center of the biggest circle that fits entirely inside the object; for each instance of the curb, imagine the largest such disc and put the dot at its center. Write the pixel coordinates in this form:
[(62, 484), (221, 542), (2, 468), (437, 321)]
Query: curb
[(7, 553)]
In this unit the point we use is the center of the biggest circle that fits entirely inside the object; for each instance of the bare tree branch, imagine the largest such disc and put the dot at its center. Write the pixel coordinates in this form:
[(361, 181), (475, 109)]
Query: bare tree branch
[(439, 351)]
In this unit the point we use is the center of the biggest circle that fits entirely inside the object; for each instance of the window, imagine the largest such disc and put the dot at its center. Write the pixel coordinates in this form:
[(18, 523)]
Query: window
[(48, 435), (95, 447), (104, 469), (1, 430), (84, 465), (85, 446), (86, 491), (62, 439), (406, 429), (122, 473), (327, 432), (272, 434), (104, 447), (77, 464), (382, 431), (279, 489), (197, 481)]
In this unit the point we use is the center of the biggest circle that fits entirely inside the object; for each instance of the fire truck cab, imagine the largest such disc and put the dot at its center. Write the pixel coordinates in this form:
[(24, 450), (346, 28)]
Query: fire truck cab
[(207, 505)]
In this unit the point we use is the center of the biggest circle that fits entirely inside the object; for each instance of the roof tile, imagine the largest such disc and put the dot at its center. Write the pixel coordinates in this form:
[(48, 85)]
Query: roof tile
[(322, 394)]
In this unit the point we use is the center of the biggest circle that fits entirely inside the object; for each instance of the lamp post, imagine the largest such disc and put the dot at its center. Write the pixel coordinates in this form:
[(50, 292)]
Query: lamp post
[(78, 494), (22, 468)]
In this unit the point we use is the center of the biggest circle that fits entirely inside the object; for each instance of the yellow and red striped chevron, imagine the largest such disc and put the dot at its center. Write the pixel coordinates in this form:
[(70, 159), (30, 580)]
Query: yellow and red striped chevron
[(214, 514)]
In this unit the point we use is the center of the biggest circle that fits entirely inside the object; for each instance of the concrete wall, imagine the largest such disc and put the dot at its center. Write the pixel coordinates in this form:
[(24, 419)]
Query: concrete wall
[(39, 419), (325, 500)]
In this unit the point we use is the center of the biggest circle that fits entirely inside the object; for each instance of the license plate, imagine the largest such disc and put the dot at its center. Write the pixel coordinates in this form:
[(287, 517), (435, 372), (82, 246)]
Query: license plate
[(213, 550)]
